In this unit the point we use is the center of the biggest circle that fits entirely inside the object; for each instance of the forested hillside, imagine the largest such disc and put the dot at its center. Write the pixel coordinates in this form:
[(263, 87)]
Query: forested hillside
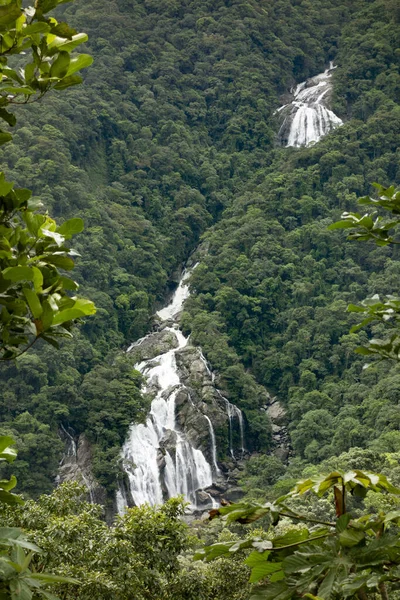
[(172, 140)]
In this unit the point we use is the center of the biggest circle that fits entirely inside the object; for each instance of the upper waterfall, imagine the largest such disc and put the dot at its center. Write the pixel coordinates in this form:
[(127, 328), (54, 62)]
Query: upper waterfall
[(308, 117)]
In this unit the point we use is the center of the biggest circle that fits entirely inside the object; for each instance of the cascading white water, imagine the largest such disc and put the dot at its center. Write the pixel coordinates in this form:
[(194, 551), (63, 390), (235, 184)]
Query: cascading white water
[(308, 117), (188, 470), (71, 447), (233, 411), (181, 294), (213, 446)]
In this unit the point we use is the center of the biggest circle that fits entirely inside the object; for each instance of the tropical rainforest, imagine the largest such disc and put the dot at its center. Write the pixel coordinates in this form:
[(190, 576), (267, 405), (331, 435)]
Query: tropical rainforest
[(170, 144)]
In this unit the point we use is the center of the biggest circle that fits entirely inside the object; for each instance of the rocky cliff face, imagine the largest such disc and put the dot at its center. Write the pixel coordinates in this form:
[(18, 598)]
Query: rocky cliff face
[(201, 415), (76, 465), (194, 440)]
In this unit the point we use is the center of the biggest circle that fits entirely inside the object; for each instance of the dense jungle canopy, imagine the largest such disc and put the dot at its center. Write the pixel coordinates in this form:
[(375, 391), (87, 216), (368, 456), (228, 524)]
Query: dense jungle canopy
[(172, 142)]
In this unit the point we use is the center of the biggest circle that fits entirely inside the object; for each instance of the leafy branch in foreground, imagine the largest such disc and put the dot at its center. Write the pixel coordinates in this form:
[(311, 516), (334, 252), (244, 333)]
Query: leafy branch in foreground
[(35, 297), (383, 231), (47, 43), (347, 558)]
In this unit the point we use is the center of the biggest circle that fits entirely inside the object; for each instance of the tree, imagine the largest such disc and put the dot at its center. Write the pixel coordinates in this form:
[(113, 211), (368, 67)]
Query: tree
[(35, 298), (18, 581), (346, 557)]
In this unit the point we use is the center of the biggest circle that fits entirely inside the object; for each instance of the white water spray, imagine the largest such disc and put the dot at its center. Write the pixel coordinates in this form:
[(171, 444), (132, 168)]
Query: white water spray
[(153, 473), (308, 117)]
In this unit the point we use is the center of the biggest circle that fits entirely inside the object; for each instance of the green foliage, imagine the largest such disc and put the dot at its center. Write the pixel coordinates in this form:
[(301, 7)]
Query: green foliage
[(44, 42), (172, 135), (139, 556), (34, 295), (35, 300), (271, 293), (8, 454), (345, 558), (377, 228), (17, 579)]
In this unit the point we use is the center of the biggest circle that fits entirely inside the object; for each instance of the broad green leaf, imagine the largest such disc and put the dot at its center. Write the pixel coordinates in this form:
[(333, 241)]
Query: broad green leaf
[(9, 14), (82, 61), (5, 137), (68, 284), (355, 308), (8, 454), (59, 260), (37, 279), (274, 591), (34, 302), (49, 578), (70, 228), (342, 225), (23, 195), (5, 186), (291, 537), (20, 590), (10, 533), (257, 557), (351, 537), (60, 66), (326, 588), (8, 117), (25, 90), (8, 484), (51, 341), (296, 563), (16, 274), (63, 30), (211, 552), (5, 442), (40, 27), (47, 315), (45, 6), (68, 82), (262, 570), (81, 308), (9, 498), (45, 232), (59, 43), (342, 522)]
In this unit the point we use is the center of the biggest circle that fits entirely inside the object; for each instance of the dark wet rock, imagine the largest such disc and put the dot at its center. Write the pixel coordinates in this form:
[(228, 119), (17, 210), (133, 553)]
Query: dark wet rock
[(233, 494), (153, 345), (77, 466)]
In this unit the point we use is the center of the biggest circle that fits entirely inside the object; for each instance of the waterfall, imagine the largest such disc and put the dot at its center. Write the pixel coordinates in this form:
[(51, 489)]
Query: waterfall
[(308, 117), (138, 342), (213, 446), (71, 448), (154, 473), (181, 294), (233, 411)]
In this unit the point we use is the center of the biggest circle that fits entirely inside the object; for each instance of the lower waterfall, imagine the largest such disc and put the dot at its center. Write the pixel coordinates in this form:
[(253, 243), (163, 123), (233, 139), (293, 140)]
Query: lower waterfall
[(159, 460), (308, 117)]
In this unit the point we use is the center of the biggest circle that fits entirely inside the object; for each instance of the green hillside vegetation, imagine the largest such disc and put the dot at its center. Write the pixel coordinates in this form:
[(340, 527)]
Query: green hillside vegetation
[(172, 137), (145, 555)]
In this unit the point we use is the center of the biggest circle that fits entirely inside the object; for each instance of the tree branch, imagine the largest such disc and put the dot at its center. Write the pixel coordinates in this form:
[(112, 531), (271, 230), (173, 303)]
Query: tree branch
[(383, 591)]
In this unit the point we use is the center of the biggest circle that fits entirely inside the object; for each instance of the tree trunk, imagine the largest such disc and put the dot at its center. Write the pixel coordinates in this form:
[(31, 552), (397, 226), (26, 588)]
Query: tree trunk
[(383, 590)]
